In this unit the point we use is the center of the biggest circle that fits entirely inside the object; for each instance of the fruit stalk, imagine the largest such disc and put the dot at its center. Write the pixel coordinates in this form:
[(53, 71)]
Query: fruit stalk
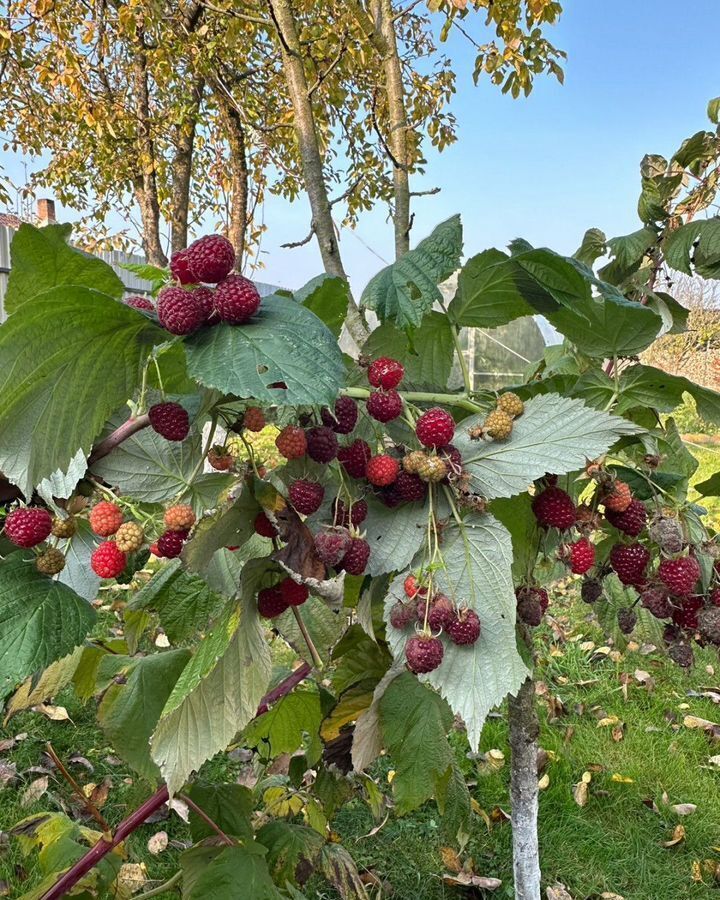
[(122, 433)]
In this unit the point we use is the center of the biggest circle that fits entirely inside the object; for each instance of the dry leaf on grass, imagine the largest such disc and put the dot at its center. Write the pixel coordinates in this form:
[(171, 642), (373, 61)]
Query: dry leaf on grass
[(678, 836), (466, 879), (557, 891), (684, 809), (54, 713), (695, 722), (581, 791), (450, 859), (8, 773), (131, 877), (158, 842), (34, 791)]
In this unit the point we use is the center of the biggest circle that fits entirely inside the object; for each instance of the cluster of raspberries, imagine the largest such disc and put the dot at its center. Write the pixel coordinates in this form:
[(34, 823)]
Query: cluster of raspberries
[(190, 302)]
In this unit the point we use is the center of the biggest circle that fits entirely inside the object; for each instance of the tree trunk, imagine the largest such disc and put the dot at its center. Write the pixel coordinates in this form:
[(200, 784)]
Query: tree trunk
[(524, 730), (146, 192), (182, 170), (382, 12), (310, 155), (238, 218)]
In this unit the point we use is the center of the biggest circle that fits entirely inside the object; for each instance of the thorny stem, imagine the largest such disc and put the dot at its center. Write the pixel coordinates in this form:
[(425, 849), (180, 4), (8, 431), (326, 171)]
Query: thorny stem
[(86, 801), (308, 640), (230, 842), (460, 400)]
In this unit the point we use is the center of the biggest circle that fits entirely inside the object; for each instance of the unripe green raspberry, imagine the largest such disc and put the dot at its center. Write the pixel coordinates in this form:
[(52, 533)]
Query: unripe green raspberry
[(50, 562)]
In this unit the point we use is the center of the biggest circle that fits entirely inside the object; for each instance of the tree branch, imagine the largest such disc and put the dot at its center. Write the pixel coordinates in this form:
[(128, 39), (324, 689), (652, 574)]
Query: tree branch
[(306, 240)]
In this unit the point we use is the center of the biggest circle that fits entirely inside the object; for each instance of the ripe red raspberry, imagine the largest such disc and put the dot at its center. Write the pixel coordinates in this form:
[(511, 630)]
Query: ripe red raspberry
[(170, 543), (384, 406), (294, 594), (354, 459), (441, 613), (331, 545), (178, 310), (170, 420), (105, 518), (435, 428), (464, 628), (236, 299), (356, 557), (410, 487), (271, 602), (382, 470), (554, 508), (423, 653), (630, 562), (179, 268), (220, 458), (28, 526), (322, 445), (686, 614), (344, 418), (291, 442), (413, 588), (618, 497), (137, 301), (154, 549), (306, 496), (581, 556), (631, 521), (385, 373), (210, 258), (655, 599), (253, 419), (402, 614), (627, 619), (680, 575), (264, 527), (108, 561), (356, 516), (205, 298), (179, 517)]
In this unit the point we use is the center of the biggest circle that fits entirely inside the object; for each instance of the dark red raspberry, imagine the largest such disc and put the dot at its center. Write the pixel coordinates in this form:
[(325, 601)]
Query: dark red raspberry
[(714, 597), (264, 527), (236, 299), (390, 496), (680, 575), (178, 310), (591, 590), (413, 588), (105, 518), (581, 556), (205, 297), (532, 603), (441, 613), (291, 442), (655, 599), (28, 526), (435, 428), (554, 508), (344, 418), (385, 373), (384, 406), (210, 258), (631, 521), (356, 516), (331, 545), (402, 614), (355, 458), (179, 268), (423, 653), (170, 543), (356, 557), (410, 487), (170, 420), (464, 628), (322, 445), (686, 614), (306, 496), (253, 419), (108, 561), (382, 470), (627, 619), (271, 602), (630, 562), (293, 593), (137, 301)]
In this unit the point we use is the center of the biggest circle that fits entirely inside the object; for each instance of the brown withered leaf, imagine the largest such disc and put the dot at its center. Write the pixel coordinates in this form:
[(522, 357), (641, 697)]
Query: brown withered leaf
[(54, 713), (557, 891), (678, 836), (158, 842), (618, 733), (131, 877), (299, 552), (695, 722), (581, 790), (450, 859), (683, 809), (498, 814), (7, 744), (8, 773), (34, 791), (466, 879), (97, 794)]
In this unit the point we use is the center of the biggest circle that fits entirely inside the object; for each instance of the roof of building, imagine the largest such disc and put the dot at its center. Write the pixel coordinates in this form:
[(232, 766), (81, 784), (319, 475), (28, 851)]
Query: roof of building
[(10, 220)]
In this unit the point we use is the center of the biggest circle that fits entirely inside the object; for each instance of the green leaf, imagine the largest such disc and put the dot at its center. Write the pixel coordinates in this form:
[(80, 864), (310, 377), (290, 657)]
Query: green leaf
[(554, 434), (292, 850), (77, 574), (284, 342), (415, 722), (155, 275), (487, 293), (284, 725), (593, 246), (129, 711), (216, 696), (713, 110), (647, 386), (323, 625), (404, 291), (394, 535), (37, 690), (517, 516), (41, 259), (229, 526), (51, 352), (426, 354), (230, 806), (328, 297), (628, 251), (478, 559), (40, 621), (358, 658), (227, 873), (557, 276), (678, 246), (710, 487)]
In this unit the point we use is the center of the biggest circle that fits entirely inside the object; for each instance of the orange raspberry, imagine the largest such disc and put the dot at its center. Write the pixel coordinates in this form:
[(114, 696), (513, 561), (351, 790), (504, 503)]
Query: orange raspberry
[(291, 442), (179, 518), (105, 518), (618, 497)]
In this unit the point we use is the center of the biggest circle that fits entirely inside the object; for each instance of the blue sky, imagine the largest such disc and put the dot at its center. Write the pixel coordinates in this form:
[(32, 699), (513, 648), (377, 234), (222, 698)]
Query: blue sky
[(638, 77)]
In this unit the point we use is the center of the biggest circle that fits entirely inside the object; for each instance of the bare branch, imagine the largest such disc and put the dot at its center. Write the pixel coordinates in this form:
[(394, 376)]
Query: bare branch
[(306, 240)]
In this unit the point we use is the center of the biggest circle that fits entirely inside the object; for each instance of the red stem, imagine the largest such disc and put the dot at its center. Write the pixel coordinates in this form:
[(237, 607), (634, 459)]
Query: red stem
[(152, 804), (122, 433)]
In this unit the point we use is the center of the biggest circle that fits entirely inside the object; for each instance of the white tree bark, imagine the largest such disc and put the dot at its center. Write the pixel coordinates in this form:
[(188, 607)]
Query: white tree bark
[(524, 729)]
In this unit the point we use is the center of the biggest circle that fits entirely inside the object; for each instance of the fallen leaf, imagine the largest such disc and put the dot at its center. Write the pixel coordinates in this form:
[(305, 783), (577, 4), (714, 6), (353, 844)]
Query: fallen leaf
[(581, 791), (498, 814), (4, 888), (450, 859), (162, 641), (618, 733), (558, 891), (97, 794), (54, 713), (82, 761), (684, 809), (158, 842), (642, 676), (696, 871), (132, 877), (678, 836), (608, 895), (34, 791), (465, 879), (695, 722), (607, 721), (714, 760), (7, 744), (544, 782), (622, 779), (8, 773), (180, 808)]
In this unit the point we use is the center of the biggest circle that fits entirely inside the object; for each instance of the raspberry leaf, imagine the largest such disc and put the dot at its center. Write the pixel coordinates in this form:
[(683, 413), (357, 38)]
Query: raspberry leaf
[(285, 723), (36, 690), (77, 573), (284, 342), (40, 621), (323, 625), (217, 872), (328, 297), (554, 434), (404, 291), (426, 352), (647, 386), (395, 535)]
